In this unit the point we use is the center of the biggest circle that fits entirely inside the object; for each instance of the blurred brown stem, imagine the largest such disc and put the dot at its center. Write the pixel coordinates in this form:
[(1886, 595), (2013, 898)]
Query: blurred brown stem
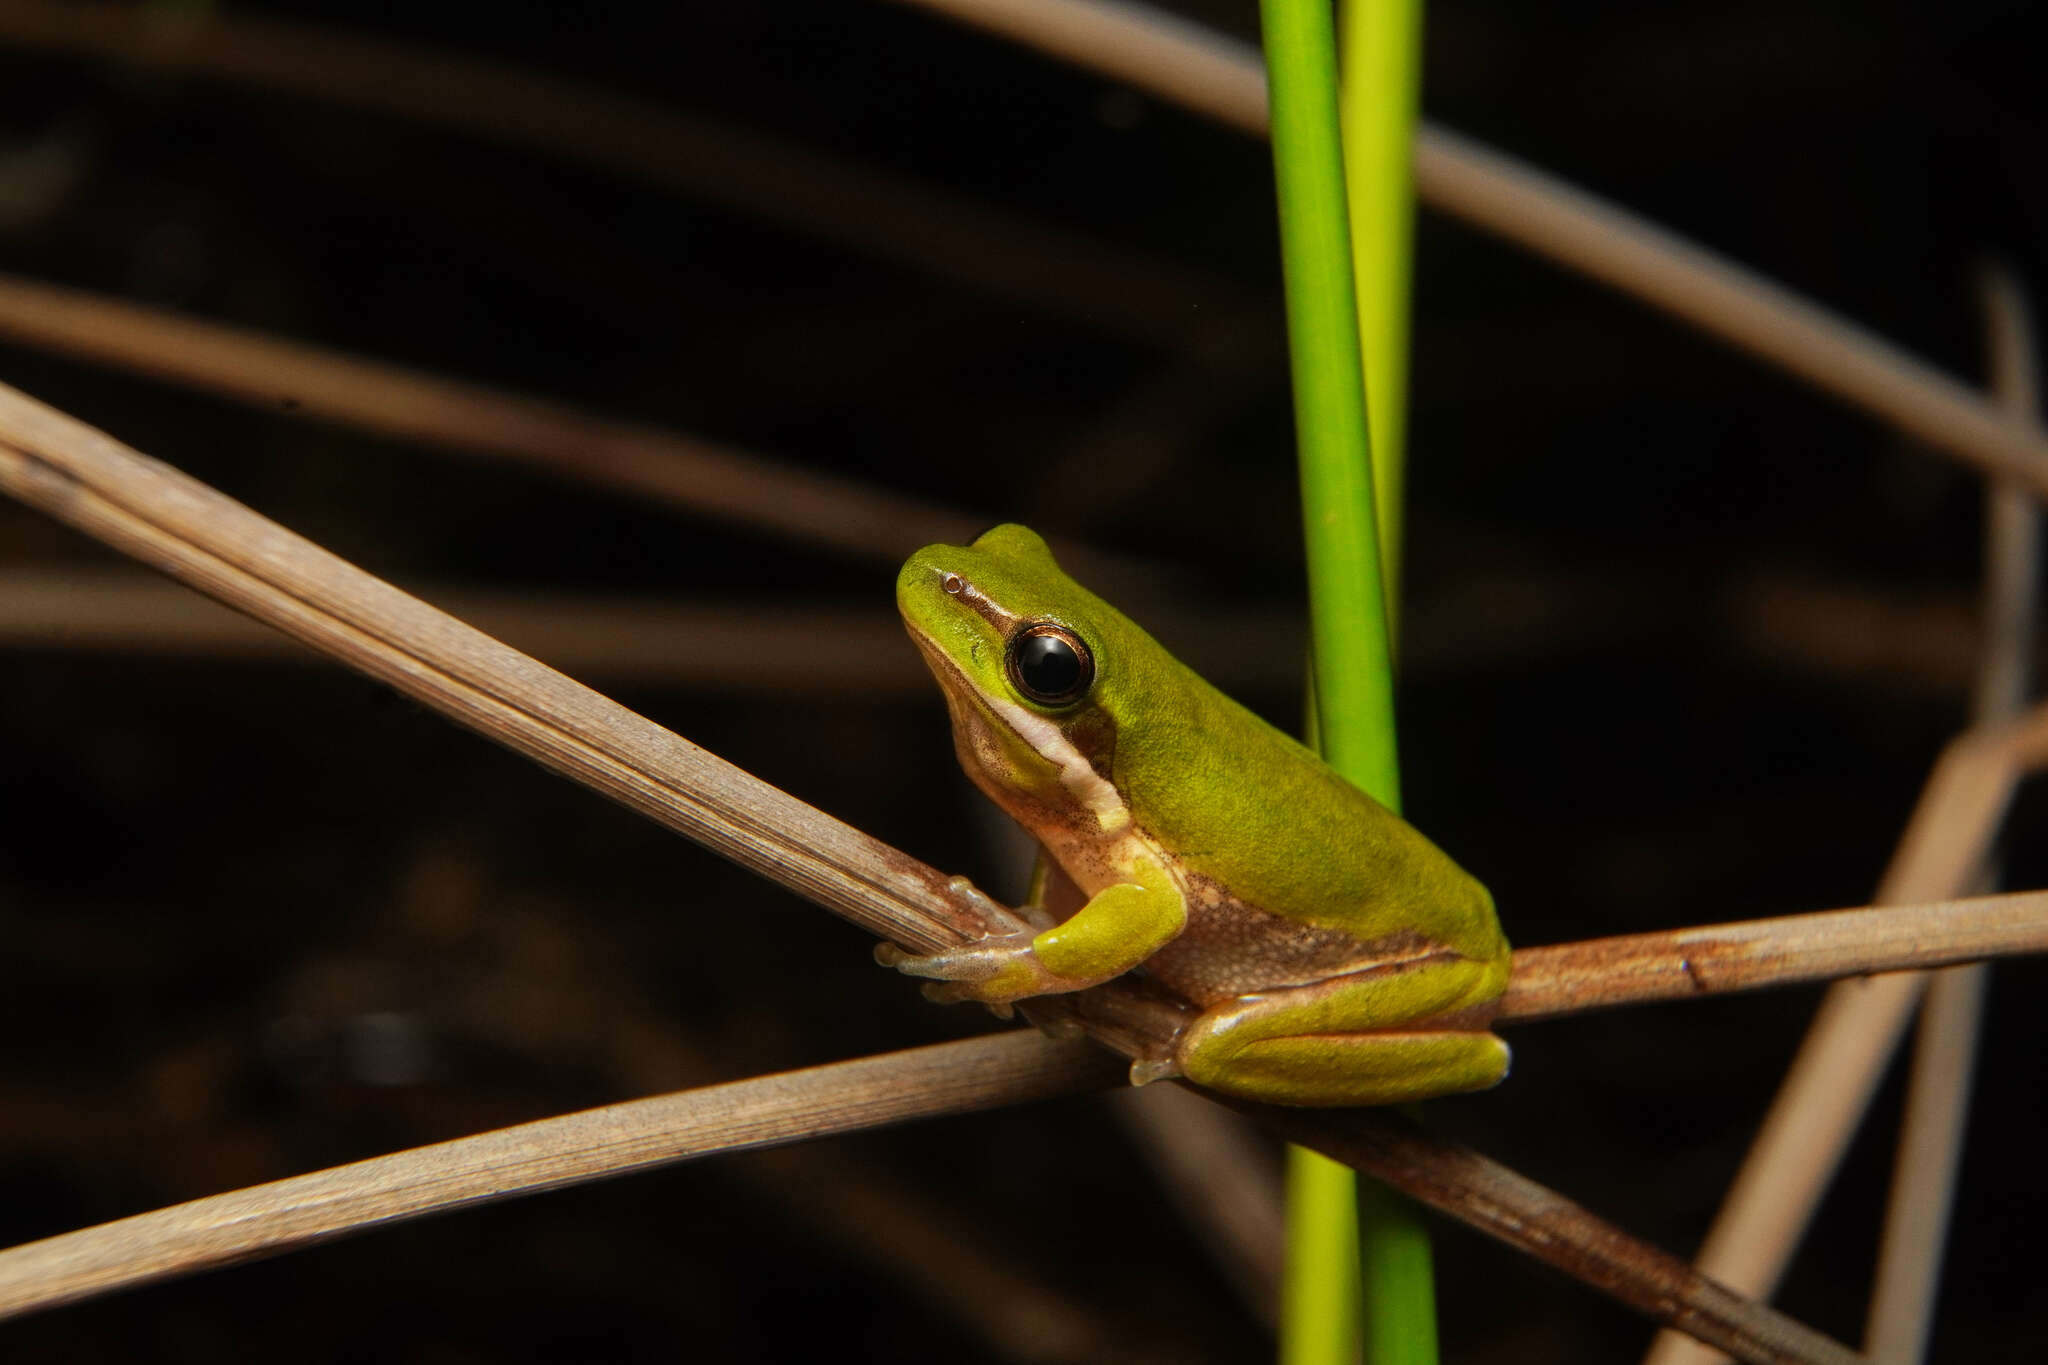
[(948, 1078), (751, 648), (1943, 851), (1902, 1297), (1224, 79), (990, 251), (165, 518), (276, 375)]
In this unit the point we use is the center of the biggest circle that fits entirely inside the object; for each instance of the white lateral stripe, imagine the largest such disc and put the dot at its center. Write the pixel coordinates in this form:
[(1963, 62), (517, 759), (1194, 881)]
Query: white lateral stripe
[(1077, 775)]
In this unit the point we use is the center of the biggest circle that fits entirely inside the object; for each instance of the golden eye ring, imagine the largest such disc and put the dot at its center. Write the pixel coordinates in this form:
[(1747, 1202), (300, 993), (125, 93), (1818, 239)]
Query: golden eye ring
[(1049, 663)]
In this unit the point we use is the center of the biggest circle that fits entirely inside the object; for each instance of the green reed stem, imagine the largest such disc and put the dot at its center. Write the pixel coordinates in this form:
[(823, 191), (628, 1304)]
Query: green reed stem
[(1380, 56), (1353, 670), (1382, 68)]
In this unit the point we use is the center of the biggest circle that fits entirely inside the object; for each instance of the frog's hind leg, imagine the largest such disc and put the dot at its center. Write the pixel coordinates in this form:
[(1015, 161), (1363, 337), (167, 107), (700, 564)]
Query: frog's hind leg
[(1329, 1043)]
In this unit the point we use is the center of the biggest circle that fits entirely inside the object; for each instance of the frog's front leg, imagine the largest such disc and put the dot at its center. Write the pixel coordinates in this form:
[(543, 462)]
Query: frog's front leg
[(1362, 1038), (1117, 929)]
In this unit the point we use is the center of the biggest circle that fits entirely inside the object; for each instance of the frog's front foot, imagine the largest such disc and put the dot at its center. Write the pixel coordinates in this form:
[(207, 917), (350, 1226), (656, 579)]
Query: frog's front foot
[(992, 970)]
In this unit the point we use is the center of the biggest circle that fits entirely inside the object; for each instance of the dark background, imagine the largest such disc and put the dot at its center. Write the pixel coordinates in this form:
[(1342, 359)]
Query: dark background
[(1684, 638)]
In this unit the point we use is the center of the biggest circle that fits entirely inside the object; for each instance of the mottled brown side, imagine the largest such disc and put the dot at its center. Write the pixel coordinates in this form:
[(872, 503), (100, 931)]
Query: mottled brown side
[(1230, 948)]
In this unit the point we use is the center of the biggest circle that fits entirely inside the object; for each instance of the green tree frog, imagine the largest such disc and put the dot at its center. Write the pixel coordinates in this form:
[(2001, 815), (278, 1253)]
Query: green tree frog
[(1337, 956)]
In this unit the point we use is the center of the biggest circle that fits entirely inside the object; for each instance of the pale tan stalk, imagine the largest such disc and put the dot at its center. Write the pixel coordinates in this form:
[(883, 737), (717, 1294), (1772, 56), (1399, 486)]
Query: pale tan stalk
[(1902, 1301), (949, 1078), (1223, 78), (1923, 643), (93, 483), (1146, 48), (186, 529), (1683, 964), (1487, 1196), (1824, 1093), (1823, 1097), (953, 1077), (275, 375), (992, 252), (1207, 72), (1902, 1293), (717, 646)]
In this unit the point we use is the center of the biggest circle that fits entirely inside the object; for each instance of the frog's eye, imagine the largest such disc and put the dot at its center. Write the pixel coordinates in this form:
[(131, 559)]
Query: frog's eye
[(1049, 663)]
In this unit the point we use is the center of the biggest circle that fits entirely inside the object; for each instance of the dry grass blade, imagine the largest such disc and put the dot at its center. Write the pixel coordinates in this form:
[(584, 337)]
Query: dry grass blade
[(993, 253), (2012, 551), (754, 650), (1223, 79), (1938, 1092), (709, 645), (1859, 1024), (470, 419), (949, 1078), (1923, 1185), (1148, 49), (167, 519), (1844, 632), (176, 523), (1486, 1195), (180, 526), (1681, 964), (1705, 290)]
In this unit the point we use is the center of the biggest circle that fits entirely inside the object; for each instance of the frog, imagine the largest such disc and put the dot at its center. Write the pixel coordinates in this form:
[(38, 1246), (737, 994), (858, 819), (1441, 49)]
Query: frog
[(1334, 955)]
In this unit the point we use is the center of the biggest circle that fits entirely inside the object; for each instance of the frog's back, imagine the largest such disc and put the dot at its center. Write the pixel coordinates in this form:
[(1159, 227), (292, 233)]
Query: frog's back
[(1264, 830)]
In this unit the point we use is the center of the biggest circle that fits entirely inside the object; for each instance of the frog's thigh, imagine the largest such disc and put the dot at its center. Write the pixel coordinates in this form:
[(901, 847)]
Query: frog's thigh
[(1320, 1044)]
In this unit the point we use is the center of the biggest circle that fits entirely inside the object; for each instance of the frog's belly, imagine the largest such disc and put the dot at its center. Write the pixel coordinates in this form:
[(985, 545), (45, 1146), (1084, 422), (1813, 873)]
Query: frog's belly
[(1230, 949)]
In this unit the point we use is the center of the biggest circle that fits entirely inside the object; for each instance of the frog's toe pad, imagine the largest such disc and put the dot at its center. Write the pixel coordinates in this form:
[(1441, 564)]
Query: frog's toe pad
[(1161, 1069)]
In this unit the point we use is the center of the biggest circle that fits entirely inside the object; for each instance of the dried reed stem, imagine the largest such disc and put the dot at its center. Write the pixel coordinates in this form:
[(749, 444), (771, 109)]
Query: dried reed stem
[(1487, 1196), (1938, 1092), (1921, 643), (1198, 69), (187, 529), (992, 252), (1916, 1220), (190, 531), (1829, 1085), (1824, 1095), (1682, 964), (266, 372), (949, 1078), (1222, 78), (719, 646)]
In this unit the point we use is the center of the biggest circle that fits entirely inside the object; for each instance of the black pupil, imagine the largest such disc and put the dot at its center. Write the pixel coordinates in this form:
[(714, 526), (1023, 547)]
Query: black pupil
[(1048, 665)]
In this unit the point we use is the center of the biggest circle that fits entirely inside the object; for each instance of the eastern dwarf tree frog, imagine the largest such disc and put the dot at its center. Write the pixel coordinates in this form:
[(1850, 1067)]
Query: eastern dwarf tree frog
[(1338, 956)]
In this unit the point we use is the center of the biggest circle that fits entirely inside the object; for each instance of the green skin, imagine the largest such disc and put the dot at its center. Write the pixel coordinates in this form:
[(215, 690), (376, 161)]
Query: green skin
[(1338, 957)]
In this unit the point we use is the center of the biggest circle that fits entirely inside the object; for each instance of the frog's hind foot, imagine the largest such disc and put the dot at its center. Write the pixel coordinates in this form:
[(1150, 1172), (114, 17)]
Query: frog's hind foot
[(1381, 1036)]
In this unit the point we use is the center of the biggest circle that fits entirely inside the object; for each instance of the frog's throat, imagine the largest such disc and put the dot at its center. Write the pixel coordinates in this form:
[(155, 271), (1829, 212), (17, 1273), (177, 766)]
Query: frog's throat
[(974, 711)]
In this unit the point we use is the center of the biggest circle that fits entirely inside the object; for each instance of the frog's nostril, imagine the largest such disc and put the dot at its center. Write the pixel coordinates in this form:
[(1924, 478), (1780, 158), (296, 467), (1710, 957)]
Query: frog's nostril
[(954, 584)]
